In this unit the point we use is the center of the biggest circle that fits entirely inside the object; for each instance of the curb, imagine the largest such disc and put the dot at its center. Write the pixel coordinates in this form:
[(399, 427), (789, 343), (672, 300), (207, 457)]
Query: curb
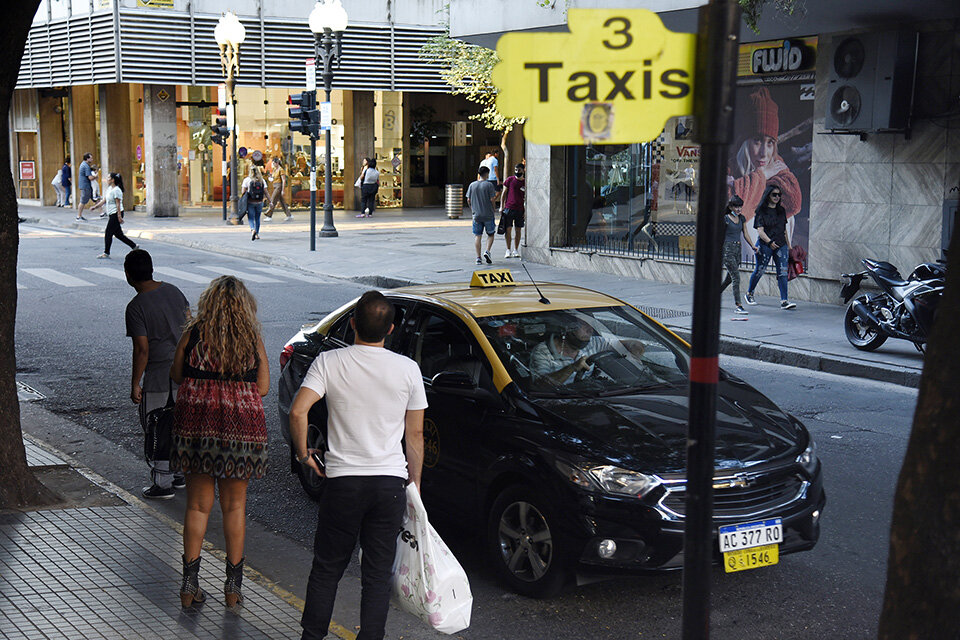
[(778, 354), (775, 354)]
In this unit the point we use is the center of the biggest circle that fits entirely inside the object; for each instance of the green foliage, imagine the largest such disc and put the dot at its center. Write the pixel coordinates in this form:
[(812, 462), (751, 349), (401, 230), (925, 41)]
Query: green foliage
[(753, 8), (467, 69)]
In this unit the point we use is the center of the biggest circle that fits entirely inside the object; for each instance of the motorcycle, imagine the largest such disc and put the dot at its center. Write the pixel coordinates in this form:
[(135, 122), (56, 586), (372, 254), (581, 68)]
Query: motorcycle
[(901, 309)]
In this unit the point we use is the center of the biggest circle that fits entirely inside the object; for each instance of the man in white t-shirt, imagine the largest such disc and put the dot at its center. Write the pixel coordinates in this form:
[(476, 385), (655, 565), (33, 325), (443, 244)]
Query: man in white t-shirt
[(375, 400)]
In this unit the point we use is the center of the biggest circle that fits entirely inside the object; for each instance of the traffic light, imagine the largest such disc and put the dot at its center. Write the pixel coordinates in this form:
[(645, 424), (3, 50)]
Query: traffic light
[(303, 111), (219, 129)]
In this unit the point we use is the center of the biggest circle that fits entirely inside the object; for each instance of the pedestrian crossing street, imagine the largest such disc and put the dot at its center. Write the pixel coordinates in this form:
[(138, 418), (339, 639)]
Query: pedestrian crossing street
[(38, 278)]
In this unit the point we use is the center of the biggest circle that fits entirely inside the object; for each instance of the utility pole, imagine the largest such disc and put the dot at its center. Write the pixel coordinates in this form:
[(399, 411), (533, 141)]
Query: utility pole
[(714, 90)]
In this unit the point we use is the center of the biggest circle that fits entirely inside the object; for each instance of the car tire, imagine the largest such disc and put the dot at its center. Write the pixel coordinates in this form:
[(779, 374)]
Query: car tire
[(526, 547), (312, 484)]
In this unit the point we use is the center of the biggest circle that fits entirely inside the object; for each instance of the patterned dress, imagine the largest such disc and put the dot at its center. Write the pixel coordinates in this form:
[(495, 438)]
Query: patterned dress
[(219, 425)]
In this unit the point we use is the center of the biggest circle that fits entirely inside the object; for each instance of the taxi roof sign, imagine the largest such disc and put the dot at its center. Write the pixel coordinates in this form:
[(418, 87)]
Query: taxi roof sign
[(615, 78), (492, 278)]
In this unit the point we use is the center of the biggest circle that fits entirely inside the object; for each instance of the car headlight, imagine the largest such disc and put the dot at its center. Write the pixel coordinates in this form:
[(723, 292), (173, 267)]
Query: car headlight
[(608, 478), (808, 459)]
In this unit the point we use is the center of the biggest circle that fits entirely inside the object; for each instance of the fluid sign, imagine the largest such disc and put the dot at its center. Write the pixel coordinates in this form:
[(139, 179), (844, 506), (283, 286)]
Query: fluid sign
[(615, 78)]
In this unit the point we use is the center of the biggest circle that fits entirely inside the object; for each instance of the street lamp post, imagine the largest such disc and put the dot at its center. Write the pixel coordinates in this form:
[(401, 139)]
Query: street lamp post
[(328, 21), (229, 34)]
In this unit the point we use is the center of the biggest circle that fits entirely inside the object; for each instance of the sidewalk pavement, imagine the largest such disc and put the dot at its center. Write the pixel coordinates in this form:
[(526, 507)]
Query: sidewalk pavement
[(411, 246), (112, 571)]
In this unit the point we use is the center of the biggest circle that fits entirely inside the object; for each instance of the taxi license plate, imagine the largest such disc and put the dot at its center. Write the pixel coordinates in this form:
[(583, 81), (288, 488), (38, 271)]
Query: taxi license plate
[(750, 545)]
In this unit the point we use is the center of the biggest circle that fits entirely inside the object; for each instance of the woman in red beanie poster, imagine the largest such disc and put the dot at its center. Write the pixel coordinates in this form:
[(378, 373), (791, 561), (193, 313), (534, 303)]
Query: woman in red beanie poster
[(758, 163)]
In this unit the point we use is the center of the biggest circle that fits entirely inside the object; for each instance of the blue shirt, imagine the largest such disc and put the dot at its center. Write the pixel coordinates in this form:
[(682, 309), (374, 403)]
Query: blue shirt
[(65, 176), (84, 177)]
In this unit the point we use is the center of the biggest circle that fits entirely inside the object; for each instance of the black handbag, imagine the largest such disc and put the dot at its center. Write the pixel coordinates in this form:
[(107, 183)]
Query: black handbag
[(158, 431)]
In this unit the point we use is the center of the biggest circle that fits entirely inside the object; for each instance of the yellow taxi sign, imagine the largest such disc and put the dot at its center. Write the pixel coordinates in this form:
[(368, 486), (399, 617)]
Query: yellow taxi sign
[(615, 78), (492, 278)]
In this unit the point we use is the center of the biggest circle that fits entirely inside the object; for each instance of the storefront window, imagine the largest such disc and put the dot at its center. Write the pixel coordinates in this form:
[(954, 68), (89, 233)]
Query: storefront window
[(388, 127), (139, 185), (611, 197)]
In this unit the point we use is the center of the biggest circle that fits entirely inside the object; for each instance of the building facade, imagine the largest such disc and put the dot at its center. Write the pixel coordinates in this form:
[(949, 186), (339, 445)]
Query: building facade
[(134, 82), (889, 195)]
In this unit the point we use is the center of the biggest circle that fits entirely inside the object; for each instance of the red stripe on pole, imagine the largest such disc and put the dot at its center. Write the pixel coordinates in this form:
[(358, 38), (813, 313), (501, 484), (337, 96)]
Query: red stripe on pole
[(705, 370)]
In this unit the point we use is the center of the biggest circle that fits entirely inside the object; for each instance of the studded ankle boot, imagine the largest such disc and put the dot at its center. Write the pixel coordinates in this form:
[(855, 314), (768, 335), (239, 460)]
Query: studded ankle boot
[(231, 586), (190, 591)]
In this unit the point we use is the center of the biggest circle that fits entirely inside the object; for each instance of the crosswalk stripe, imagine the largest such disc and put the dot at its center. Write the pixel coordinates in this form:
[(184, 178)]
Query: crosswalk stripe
[(295, 275), (107, 271), (182, 275), (54, 276), (252, 277), (20, 286)]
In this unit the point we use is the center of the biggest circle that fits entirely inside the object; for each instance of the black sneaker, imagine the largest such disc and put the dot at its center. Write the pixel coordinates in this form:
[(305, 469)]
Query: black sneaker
[(156, 493), (479, 260), (179, 482), (787, 305), (486, 256)]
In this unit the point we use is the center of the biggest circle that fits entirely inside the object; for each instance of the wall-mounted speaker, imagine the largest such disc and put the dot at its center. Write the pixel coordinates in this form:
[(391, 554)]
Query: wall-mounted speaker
[(870, 85)]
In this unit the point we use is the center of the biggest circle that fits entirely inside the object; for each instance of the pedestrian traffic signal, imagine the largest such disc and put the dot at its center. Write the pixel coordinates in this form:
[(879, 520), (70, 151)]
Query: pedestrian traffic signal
[(219, 129), (303, 113)]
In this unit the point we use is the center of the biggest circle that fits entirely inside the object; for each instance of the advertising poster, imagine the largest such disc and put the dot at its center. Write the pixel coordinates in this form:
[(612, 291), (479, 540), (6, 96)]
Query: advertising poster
[(679, 180), (773, 131)]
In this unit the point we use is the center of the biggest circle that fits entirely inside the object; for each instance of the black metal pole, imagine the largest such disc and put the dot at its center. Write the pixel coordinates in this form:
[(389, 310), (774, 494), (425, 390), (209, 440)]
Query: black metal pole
[(328, 230), (715, 85), (231, 85), (223, 178), (313, 193)]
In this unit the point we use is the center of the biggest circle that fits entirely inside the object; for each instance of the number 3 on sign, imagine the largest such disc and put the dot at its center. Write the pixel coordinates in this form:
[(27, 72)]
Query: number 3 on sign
[(624, 31)]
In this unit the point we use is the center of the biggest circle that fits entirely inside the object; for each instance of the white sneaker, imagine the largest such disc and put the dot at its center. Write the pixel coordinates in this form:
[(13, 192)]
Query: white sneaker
[(508, 254), (103, 256), (516, 254)]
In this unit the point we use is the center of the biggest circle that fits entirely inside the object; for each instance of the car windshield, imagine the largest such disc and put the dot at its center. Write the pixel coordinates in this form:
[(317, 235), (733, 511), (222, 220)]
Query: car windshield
[(586, 352)]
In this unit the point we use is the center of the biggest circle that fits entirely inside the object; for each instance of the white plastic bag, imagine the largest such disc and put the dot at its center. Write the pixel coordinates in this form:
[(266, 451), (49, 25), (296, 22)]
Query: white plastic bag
[(427, 579)]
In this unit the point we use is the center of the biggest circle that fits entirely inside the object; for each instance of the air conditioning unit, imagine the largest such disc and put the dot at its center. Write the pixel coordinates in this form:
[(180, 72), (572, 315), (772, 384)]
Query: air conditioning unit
[(870, 87)]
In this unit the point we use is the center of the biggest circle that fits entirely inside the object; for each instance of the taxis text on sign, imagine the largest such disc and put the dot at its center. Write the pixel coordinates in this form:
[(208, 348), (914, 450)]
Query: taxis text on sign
[(615, 78), (492, 278)]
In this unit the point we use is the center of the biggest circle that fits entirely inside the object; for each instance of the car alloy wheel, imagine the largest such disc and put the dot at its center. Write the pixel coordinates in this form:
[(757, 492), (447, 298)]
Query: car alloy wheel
[(529, 552)]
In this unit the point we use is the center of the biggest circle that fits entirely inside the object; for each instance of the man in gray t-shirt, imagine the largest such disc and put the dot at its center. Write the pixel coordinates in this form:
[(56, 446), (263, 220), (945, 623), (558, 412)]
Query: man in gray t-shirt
[(480, 197), (155, 319)]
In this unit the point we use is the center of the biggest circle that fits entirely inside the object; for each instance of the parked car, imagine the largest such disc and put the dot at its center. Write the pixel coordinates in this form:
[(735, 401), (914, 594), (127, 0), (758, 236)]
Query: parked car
[(584, 472)]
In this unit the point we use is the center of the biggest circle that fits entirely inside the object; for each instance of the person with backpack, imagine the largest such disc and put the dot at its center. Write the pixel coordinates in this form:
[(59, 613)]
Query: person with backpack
[(255, 189)]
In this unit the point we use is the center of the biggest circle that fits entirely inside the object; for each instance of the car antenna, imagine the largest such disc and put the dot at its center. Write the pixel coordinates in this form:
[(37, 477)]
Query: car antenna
[(542, 299)]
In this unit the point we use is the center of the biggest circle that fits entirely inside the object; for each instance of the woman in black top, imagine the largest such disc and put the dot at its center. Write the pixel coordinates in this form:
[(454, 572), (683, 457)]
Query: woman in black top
[(734, 223), (771, 225)]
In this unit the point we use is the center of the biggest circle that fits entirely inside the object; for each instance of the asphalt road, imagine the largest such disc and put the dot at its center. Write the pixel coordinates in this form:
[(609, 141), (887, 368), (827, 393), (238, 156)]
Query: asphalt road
[(71, 346)]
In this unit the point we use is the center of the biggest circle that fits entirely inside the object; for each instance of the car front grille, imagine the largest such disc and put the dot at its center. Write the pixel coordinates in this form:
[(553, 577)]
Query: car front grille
[(762, 494)]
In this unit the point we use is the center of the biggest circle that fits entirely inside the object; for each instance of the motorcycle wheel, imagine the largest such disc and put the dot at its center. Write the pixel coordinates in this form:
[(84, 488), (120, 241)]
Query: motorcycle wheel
[(861, 336)]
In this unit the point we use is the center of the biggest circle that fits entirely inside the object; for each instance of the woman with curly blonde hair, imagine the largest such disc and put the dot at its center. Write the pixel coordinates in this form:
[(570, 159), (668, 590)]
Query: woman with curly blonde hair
[(220, 432)]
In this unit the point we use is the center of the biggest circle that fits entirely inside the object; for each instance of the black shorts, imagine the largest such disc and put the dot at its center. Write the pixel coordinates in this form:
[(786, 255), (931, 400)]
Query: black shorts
[(497, 186), (512, 218)]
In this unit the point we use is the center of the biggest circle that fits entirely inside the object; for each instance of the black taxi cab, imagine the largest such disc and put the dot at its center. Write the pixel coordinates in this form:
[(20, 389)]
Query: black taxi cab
[(557, 424)]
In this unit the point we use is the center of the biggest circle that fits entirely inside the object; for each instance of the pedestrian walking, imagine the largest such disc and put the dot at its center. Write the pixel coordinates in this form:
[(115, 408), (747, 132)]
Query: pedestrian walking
[(512, 211), (65, 180), (84, 186), (480, 196), (220, 430), (113, 207), (57, 184), (278, 178), (154, 320), (734, 228), (369, 183), (375, 403), (255, 189), (770, 221), (95, 185)]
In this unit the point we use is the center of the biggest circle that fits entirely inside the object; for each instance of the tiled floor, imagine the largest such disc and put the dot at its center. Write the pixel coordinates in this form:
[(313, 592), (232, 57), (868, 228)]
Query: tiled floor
[(37, 457), (114, 572)]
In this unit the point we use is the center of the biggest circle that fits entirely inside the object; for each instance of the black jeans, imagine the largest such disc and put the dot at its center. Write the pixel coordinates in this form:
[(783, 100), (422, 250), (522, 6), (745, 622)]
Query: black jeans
[(114, 229), (368, 197), (369, 508)]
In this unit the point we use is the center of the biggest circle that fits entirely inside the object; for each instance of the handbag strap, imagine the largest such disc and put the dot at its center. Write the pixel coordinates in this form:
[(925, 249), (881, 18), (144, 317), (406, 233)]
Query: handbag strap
[(170, 400)]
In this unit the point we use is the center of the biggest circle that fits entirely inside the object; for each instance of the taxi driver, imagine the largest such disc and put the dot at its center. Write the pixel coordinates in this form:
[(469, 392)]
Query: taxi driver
[(563, 357)]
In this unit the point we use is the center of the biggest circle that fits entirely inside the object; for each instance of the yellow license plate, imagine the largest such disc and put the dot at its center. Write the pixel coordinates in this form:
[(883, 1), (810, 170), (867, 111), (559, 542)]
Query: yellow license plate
[(744, 559)]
